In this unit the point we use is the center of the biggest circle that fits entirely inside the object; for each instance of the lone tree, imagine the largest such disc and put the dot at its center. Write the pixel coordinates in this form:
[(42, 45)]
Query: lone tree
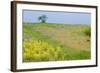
[(42, 18)]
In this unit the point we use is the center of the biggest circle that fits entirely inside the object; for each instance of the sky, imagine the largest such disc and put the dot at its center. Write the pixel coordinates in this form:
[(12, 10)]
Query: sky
[(31, 16)]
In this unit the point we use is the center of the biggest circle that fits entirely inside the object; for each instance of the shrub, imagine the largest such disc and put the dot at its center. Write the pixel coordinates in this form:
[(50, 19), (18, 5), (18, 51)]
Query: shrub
[(87, 31)]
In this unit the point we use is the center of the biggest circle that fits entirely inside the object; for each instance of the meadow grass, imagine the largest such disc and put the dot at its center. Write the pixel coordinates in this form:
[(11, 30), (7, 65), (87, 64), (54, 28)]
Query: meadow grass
[(54, 42)]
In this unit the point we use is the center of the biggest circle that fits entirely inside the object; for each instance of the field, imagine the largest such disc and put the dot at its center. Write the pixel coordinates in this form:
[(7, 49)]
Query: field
[(55, 42)]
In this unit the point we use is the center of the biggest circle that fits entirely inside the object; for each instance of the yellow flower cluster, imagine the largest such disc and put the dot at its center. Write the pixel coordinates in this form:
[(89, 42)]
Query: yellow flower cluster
[(37, 50)]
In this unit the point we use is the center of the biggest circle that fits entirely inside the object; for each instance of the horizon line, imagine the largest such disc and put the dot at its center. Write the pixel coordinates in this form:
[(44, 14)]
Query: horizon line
[(57, 23)]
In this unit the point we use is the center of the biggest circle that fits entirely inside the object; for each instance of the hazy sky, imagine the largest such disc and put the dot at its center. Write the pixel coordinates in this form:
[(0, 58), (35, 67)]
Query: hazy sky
[(31, 16)]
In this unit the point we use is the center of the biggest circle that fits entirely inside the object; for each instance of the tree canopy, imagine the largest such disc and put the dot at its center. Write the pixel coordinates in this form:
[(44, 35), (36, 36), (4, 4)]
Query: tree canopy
[(42, 18)]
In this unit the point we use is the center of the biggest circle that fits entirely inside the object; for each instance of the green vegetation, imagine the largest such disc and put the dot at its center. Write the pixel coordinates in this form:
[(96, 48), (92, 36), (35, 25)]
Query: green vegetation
[(87, 31), (42, 18), (55, 42)]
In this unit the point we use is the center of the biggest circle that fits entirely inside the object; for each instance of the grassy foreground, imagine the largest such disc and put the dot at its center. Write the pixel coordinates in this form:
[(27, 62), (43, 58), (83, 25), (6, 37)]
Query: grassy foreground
[(55, 42)]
